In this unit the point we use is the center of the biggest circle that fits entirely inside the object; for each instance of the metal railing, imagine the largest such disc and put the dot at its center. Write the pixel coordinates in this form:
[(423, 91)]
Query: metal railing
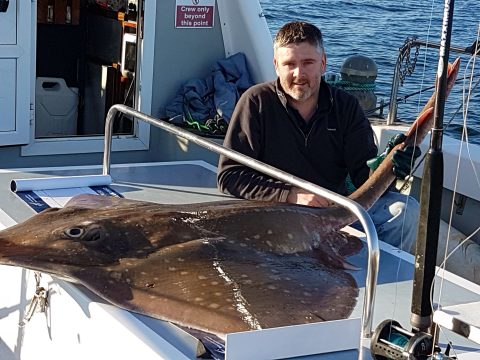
[(409, 44), (360, 213)]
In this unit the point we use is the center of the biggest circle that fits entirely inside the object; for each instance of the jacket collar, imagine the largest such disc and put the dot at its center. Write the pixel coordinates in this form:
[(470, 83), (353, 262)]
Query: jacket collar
[(325, 97)]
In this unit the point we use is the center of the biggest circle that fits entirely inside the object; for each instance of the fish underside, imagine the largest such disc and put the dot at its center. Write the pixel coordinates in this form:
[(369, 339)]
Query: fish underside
[(218, 267)]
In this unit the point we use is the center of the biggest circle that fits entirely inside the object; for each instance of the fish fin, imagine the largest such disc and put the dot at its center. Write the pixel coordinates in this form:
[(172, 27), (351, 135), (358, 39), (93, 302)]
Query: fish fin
[(219, 286), (334, 247), (91, 201)]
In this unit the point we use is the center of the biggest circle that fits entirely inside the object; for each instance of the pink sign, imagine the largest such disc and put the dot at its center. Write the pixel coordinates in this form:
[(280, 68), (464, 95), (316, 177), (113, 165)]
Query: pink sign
[(194, 16)]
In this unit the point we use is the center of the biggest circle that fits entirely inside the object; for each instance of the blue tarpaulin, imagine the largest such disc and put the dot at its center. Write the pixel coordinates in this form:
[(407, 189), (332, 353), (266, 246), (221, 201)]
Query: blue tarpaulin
[(203, 103)]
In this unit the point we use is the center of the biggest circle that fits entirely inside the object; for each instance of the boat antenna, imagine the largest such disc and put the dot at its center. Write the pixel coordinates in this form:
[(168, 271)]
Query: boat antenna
[(430, 196)]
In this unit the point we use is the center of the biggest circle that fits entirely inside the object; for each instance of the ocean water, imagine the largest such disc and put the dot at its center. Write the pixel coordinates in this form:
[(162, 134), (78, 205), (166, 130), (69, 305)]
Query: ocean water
[(377, 29)]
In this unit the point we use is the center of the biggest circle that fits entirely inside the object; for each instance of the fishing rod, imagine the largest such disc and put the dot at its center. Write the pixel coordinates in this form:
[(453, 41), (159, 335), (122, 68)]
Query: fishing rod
[(390, 340), (406, 184), (370, 112), (383, 105)]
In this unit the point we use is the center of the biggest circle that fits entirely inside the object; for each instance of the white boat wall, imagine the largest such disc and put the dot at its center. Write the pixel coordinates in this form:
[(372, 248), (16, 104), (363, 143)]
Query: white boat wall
[(61, 81)]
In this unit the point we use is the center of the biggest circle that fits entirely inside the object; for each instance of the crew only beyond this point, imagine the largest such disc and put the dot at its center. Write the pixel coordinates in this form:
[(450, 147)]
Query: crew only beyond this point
[(194, 16)]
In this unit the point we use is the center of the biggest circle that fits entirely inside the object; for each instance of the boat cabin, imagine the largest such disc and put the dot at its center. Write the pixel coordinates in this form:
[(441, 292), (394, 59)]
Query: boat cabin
[(63, 63)]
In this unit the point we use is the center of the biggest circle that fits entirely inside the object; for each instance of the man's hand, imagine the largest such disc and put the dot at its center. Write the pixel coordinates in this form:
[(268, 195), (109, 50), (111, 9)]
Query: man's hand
[(403, 160), (303, 197)]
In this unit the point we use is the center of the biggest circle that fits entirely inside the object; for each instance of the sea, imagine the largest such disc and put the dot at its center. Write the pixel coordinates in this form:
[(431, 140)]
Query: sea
[(377, 29)]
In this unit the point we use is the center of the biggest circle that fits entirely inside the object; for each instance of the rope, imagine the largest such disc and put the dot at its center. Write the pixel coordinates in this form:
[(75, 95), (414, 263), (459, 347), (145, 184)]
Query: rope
[(353, 86)]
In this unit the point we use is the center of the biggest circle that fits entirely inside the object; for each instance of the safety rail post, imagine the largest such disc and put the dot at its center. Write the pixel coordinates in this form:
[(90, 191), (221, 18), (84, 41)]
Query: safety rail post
[(392, 111), (393, 104), (356, 209)]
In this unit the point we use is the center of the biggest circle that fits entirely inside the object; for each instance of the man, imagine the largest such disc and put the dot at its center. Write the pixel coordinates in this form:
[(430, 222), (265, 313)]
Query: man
[(301, 125)]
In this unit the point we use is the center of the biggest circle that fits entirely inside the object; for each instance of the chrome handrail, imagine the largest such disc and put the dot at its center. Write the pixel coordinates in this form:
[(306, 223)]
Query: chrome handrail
[(393, 104), (361, 213)]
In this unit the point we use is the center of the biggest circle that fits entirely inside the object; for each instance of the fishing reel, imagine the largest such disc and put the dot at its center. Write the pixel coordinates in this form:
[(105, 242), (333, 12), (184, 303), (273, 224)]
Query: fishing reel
[(391, 341)]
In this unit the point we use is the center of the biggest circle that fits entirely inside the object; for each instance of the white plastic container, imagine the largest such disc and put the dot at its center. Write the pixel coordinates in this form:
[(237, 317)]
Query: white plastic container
[(56, 108)]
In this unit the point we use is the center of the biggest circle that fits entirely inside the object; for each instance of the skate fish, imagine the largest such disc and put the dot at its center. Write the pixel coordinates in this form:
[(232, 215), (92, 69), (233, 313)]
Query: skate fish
[(218, 267)]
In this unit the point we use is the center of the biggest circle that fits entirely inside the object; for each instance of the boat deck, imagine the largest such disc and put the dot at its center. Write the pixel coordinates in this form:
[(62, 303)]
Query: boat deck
[(78, 322)]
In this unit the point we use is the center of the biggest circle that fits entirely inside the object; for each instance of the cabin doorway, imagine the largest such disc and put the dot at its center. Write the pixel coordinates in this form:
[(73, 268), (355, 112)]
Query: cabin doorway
[(86, 61)]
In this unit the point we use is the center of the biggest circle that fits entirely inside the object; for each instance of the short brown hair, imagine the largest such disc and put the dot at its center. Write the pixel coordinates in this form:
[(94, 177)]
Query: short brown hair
[(296, 32)]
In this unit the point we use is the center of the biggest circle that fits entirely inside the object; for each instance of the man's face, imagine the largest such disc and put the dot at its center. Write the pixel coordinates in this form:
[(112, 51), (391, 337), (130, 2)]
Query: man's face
[(299, 68)]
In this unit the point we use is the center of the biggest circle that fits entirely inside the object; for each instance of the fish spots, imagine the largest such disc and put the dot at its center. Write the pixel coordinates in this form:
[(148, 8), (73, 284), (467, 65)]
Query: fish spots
[(275, 277), (238, 272), (115, 275)]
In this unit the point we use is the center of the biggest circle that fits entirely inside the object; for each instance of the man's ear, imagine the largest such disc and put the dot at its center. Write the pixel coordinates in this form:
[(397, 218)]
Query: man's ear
[(324, 63), (275, 63)]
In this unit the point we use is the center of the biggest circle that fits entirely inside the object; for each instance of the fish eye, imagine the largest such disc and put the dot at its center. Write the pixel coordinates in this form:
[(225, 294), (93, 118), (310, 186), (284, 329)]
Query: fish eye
[(74, 232)]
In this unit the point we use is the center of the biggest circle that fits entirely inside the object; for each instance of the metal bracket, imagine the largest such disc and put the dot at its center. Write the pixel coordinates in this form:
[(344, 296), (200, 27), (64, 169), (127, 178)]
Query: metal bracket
[(38, 303)]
